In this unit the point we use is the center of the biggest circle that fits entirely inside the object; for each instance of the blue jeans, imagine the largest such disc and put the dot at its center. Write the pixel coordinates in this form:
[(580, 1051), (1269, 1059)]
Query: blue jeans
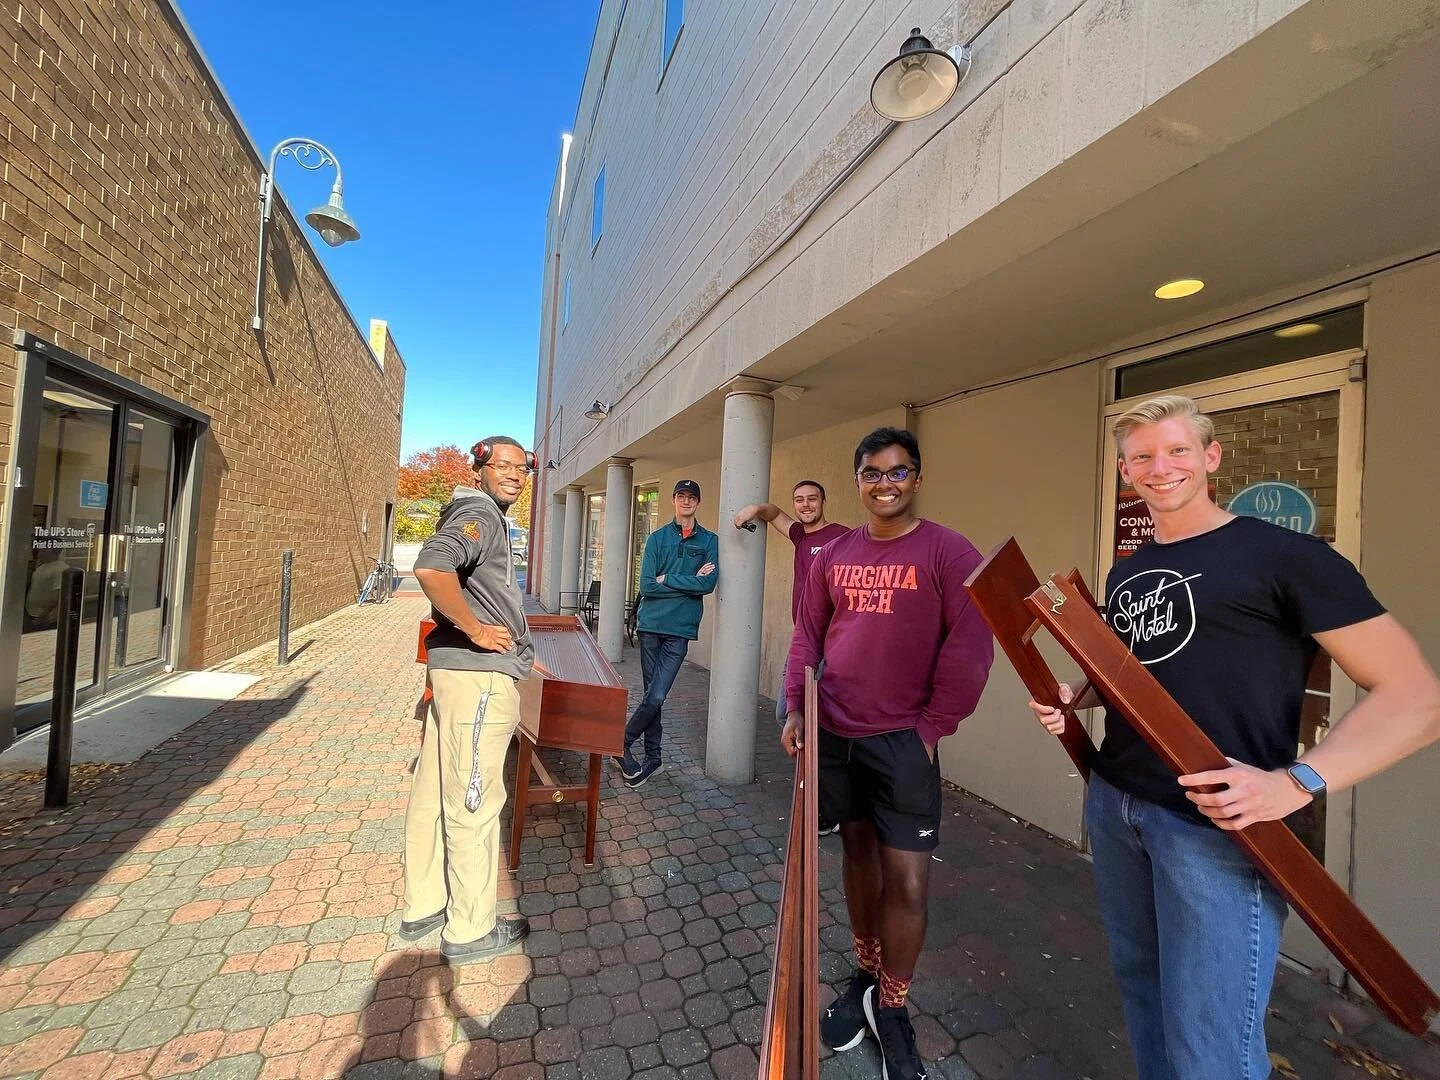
[(1194, 934), (660, 658)]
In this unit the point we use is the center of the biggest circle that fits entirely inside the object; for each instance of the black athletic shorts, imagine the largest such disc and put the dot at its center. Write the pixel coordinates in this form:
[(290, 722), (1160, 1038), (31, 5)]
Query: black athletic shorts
[(888, 780)]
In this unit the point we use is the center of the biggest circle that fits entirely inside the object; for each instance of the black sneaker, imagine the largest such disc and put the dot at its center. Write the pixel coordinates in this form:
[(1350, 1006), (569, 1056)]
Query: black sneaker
[(628, 768), (844, 1023), (899, 1059), (829, 828), (507, 934), (415, 930), (635, 780)]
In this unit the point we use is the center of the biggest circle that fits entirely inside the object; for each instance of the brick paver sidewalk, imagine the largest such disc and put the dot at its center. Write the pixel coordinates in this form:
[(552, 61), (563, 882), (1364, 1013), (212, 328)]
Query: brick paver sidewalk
[(225, 907)]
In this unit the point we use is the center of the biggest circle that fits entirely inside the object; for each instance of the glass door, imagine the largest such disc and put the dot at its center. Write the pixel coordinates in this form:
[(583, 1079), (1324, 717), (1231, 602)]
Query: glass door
[(140, 544), (106, 479), (69, 524)]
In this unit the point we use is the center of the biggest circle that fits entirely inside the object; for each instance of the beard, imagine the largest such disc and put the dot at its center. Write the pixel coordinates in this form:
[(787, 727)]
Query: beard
[(503, 499)]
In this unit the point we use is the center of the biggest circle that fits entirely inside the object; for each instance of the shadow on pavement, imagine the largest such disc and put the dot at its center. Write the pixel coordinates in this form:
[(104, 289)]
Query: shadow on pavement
[(421, 1007), (54, 864)]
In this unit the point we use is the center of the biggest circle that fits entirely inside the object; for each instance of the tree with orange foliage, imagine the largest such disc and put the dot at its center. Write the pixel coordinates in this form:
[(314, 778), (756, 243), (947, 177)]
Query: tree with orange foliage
[(427, 480), (431, 475), (519, 513)]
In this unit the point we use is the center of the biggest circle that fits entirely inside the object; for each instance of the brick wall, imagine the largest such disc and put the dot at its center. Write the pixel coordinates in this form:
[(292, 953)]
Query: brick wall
[(1295, 442), (128, 220)]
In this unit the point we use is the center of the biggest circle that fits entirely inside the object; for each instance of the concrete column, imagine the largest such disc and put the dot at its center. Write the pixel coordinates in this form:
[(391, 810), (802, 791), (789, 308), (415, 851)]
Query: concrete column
[(735, 650), (615, 568), (570, 553), (554, 533)]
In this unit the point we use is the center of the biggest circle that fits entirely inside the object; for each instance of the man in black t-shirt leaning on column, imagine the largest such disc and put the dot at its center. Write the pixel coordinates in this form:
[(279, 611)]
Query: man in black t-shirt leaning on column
[(1227, 613)]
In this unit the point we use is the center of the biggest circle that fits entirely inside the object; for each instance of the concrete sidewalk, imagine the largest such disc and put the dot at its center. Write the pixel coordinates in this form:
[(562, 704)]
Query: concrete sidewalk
[(224, 907)]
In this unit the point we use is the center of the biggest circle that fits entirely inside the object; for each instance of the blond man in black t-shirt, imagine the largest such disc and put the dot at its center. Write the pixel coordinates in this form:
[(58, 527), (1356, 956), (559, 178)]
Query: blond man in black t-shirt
[(1227, 613)]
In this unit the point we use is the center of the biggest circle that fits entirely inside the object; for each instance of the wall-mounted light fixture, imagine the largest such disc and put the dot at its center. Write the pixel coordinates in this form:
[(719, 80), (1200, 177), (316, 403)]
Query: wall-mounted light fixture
[(552, 464), (920, 80), (334, 225), (598, 411)]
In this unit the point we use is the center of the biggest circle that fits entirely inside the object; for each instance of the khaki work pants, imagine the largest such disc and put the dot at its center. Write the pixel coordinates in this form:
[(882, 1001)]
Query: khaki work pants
[(452, 854)]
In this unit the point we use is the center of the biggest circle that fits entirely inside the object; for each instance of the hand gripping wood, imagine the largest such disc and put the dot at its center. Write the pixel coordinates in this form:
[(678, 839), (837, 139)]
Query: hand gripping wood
[(790, 1049), (999, 586), (1069, 614)]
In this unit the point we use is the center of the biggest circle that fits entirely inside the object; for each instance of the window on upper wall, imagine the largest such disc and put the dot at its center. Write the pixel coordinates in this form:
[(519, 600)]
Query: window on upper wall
[(597, 209), (674, 23), (565, 307)]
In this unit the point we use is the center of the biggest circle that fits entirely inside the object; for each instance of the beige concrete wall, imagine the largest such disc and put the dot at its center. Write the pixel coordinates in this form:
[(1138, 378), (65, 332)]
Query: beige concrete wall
[(995, 467), (764, 105), (1397, 847)]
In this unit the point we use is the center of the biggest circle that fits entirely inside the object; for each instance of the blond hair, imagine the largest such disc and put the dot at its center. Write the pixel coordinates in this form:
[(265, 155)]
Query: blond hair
[(1158, 409)]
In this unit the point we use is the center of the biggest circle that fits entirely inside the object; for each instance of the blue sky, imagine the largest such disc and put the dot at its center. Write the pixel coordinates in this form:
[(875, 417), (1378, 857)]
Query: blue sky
[(446, 116)]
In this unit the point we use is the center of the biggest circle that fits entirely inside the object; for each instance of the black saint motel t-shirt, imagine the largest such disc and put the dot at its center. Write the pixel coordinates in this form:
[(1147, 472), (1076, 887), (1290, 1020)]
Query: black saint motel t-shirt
[(1224, 621)]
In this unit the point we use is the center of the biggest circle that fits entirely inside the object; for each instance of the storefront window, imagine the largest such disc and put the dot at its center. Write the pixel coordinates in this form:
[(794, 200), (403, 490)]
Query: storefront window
[(1333, 332), (647, 520), (594, 540)]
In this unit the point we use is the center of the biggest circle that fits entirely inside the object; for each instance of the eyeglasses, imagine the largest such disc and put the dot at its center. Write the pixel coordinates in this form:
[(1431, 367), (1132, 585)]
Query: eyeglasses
[(507, 470), (895, 476)]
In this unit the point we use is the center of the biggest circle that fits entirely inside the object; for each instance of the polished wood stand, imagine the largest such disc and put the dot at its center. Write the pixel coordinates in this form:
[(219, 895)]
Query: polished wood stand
[(574, 701), (791, 1046), (546, 790)]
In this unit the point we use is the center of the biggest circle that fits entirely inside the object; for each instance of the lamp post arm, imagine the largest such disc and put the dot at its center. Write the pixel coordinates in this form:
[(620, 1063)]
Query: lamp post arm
[(308, 154)]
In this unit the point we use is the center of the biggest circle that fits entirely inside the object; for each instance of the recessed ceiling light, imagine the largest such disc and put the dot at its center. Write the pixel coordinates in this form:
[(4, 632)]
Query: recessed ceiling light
[(1303, 329), (1175, 290)]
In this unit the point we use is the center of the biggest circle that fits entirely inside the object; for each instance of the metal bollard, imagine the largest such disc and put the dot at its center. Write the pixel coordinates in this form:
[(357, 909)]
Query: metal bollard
[(285, 561), (62, 700)]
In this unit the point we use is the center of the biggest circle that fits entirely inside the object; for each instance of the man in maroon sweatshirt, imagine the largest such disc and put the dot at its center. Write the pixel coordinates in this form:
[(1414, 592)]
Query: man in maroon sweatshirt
[(906, 658)]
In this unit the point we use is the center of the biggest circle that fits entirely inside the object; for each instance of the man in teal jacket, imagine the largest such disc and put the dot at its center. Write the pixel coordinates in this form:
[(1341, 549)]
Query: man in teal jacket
[(681, 565)]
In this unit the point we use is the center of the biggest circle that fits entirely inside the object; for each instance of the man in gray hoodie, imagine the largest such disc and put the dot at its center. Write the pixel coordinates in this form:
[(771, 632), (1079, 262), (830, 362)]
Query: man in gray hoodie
[(480, 648)]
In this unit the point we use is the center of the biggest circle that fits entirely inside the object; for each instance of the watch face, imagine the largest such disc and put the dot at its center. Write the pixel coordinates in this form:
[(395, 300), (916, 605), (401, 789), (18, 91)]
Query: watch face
[(1307, 778)]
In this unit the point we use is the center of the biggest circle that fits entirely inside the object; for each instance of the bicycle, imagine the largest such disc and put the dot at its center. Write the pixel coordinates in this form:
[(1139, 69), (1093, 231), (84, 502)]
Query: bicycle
[(377, 586)]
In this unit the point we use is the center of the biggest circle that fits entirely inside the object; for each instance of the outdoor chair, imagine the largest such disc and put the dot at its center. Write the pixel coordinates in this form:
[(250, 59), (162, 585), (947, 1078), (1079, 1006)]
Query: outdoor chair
[(590, 610), (632, 616)]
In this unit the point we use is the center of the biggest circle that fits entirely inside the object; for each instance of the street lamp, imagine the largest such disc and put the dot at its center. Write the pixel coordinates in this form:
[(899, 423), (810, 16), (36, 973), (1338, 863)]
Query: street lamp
[(334, 225)]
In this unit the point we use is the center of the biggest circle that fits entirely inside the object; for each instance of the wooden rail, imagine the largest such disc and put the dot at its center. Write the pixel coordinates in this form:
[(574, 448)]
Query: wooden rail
[(791, 1046)]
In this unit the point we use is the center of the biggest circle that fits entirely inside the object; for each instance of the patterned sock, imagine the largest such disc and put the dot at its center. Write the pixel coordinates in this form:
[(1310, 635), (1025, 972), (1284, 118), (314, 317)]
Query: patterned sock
[(892, 989), (867, 952)]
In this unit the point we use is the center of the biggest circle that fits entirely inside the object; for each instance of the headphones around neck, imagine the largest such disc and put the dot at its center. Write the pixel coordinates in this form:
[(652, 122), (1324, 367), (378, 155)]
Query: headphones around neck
[(484, 451)]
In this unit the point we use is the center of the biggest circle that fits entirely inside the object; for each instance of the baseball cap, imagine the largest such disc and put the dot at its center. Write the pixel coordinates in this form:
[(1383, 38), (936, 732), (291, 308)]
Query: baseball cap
[(689, 487)]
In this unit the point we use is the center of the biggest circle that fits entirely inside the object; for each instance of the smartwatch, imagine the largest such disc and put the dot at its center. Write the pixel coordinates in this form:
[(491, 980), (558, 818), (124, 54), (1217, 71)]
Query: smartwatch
[(1307, 778)]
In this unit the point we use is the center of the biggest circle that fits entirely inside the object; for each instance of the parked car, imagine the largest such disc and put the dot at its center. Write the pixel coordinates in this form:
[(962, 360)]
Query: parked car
[(519, 544)]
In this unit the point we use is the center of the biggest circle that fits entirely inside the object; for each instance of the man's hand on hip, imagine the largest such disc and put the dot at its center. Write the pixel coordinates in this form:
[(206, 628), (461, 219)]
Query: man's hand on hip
[(492, 638)]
